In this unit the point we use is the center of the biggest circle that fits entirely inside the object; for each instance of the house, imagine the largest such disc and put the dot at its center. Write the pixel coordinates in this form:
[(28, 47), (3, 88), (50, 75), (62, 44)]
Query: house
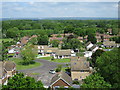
[(109, 44), (88, 45), (45, 50), (61, 80), (55, 37), (24, 40), (60, 54), (12, 50), (94, 48), (50, 51), (88, 54), (80, 68), (10, 67), (106, 37), (62, 35), (98, 37), (80, 39), (41, 49), (85, 38), (7, 70), (109, 31)]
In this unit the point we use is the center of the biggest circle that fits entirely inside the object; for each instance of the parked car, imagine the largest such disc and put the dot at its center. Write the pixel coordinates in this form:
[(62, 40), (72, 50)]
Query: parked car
[(52, 71)]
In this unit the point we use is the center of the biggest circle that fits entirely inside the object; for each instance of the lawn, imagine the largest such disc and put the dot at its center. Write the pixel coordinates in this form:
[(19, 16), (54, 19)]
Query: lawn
[(65, 60), (64, 68), (46, 58), (19, 66)]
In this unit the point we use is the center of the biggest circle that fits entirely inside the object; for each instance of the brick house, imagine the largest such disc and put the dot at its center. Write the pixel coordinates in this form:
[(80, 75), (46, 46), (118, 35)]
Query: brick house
[(80, 68), (61, 80)]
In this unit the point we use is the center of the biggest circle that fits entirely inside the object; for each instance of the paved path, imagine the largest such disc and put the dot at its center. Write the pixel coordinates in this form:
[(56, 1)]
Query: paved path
[(43, 70)]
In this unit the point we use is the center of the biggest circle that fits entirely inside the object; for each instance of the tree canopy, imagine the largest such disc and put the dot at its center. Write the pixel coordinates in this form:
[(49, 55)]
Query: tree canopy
[(95, 81), (71, 44), (108, 66), (23, 82), (95, 55), (28, 53)]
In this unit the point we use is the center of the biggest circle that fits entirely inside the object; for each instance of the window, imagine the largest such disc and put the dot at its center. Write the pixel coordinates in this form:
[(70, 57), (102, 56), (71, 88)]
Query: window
[(76, 79), (65, 86), (56, 87)]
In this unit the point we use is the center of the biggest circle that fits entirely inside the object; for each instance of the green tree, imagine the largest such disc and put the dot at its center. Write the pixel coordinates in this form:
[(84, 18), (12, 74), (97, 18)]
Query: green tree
[(59, 68), (108, 66), (21, 81), (12, 32), (92, 38), (43, 40), (95, 55), (33, 41), (95, 81), (116, 39), (28, 53), (54, 43), (71, 44), (115, 31)]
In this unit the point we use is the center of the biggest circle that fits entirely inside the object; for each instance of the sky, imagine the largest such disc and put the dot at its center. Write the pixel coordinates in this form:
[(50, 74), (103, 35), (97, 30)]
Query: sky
[(59, 9)]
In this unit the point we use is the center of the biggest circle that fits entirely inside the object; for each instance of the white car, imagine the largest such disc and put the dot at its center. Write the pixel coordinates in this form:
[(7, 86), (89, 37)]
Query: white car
[(52, 71)]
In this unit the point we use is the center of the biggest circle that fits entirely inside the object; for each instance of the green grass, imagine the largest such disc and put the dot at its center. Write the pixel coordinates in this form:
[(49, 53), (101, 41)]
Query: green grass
[(19, 66), (46, 58), (64, 68), (65, 60), (6, 39)]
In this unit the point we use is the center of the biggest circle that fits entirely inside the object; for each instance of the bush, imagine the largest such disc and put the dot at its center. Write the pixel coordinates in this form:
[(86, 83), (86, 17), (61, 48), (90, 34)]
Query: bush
[(52, 58), (75, 82), (59, 68)]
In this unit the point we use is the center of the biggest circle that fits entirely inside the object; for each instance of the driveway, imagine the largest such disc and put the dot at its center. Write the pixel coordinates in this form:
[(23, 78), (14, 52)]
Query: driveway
[(43, 71)]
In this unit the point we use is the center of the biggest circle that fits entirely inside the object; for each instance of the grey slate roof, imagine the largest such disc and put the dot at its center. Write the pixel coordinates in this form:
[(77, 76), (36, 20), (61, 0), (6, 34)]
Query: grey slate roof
[(9, 65), (63, 76), (63, 52), (109, 43), (79, 63)]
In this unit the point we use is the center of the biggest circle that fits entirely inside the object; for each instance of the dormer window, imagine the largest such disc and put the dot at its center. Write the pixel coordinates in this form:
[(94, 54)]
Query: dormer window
[(75, 63)]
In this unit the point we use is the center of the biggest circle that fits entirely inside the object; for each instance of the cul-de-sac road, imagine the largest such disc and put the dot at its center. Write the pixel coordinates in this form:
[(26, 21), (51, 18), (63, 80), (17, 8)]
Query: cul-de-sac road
[(43, 71)]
